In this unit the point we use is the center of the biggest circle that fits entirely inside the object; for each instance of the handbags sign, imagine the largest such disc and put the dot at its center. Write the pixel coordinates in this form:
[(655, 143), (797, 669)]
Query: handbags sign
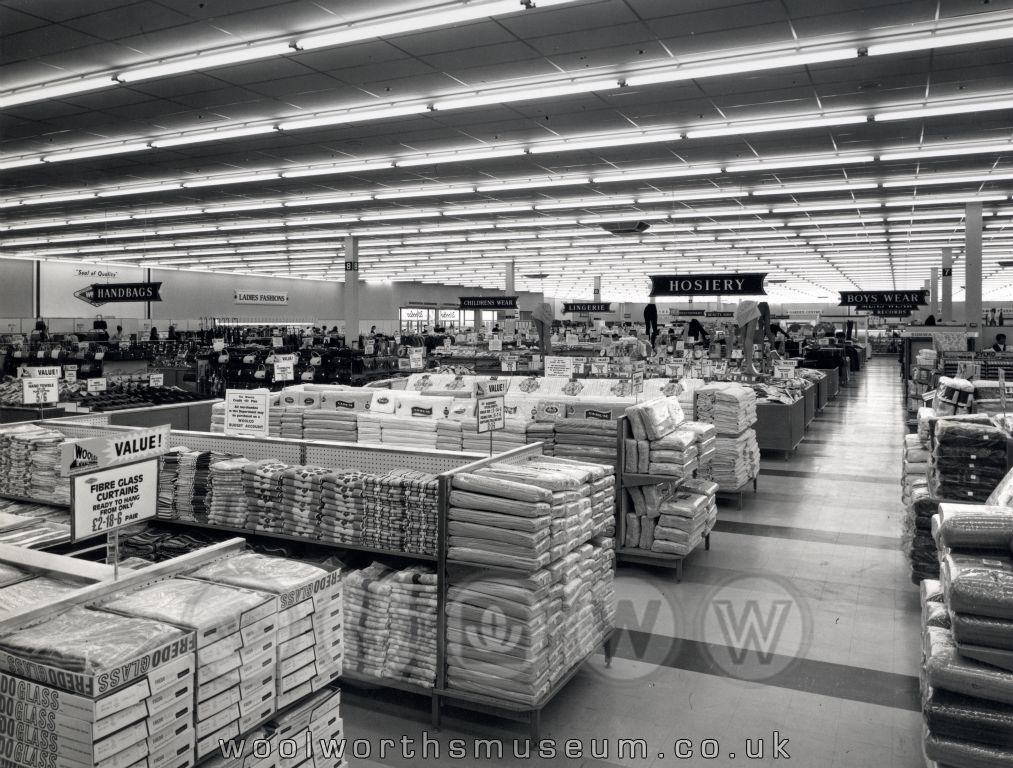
[(98, 294), (256, 297), (488, 302), (710, 284)]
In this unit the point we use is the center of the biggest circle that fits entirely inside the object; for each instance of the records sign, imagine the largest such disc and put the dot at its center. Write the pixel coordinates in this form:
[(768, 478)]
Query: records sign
[(586, 306), (488, 302), (709, 284), (873, 299)]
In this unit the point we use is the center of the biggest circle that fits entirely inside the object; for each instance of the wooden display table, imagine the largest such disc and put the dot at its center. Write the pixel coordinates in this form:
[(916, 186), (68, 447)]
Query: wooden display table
[(780, 427), (809, 398)]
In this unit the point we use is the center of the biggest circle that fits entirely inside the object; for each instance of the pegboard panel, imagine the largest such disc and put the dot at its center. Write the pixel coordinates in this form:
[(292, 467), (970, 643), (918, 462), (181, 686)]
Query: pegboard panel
[(94, 419), (78, 430), (256, 448), (380, 459)]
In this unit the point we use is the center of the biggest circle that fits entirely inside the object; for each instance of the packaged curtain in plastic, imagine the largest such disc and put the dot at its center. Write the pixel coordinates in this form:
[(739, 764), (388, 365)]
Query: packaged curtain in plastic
[(33, 593), (946, 669), (979, 585), (950, 715), (973, 526), (187, 602), (262, 573), (982, 630)]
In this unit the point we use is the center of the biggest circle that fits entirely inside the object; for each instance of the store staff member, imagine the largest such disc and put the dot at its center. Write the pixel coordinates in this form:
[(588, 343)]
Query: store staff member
[(1000, 343)]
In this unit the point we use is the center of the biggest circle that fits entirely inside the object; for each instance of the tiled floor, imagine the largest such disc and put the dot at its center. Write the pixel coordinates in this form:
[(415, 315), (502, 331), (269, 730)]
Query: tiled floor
[(815, 554)]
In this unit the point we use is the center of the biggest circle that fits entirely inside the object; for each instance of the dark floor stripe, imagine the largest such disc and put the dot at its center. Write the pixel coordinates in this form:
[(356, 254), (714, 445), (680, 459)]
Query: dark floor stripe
[(807, 534), (844, 443), (803, 473), (808, 675)]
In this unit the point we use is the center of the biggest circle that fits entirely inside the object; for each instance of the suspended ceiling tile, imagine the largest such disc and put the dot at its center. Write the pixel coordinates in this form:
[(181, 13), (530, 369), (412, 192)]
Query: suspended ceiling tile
[(41, 41), (502, 53), (474, 35), (681, 45)]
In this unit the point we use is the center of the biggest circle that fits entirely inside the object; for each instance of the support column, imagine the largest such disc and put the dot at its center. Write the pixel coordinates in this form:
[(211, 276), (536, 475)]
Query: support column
[(972, 267), (947, 292), (927, 287), (351, 292), (510, 314), (597, 288), (934, 291)]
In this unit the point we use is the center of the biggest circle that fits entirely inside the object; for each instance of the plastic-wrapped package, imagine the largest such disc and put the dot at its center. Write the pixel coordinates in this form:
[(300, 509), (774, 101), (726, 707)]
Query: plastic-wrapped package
[(979, 585), (946, 669), (186, 602), (9, 574), (931, 591), (632, 456), (982, 630), (647, 526), (33, 592), (973, 526), (955, 716), (1002, 495), (935, 615), (632, 530), (960, 438), (506, 489), (88, 641), (260, 572)]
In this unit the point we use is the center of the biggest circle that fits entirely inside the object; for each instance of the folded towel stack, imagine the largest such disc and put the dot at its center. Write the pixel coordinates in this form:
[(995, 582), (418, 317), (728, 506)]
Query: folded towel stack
[(449, 435), (301, 489), (190, 497), (368, 427), (367, 595), (411, 649), (586, 439), (168, 466), (285, 422), (343, 507), (218, 417), (262, 483), (338, 426), (226, 497)]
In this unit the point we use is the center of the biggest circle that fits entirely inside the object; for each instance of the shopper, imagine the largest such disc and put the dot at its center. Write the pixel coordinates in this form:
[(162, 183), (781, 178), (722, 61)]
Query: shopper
[(651, 320), (153, 336), (697, 332), (1000, 343), (118, 335)]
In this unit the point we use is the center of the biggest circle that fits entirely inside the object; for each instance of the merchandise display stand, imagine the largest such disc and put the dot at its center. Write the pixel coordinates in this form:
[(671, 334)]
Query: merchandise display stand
[(628, 480), (56, 566), (736, 493), (809, 396), (780, 427)]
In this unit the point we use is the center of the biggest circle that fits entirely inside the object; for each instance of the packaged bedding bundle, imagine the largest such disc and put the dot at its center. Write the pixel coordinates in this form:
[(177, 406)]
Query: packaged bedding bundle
[(367, 425), (731, 408), (367, 606), (116, 691), (226, 499), (236, 638), (917, 536), (671, 518), (987, 396), (285, 422), (343, 507), (736, 460), (314, 720), (309, 624), (968, 460), (555, 617), (953, 396), (523, 515), (262, 485), (218, 417), (411, 650), (915, 467), (587, 439), (335, 424)]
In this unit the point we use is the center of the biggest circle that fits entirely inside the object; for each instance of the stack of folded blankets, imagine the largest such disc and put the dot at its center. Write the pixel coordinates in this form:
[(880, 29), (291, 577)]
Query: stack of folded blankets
[(968, 460), (285, 422), (730, 407), (401, 511), (512, 637), (543, 432), (411, 651), (526, 515), (449, 435), (967, 673), (226, 499), (987, 396), (218, 417), (587, 439), (415, 433), (190, 498), (367, 606), (262, 483), (917, 534), (736, 460), (301, 489), (46, 483), (915, 469), (155, 546), (30, 461), (368, 427), (706, 445), (671, 518), (168, 466), (338, 426), (343, 507)]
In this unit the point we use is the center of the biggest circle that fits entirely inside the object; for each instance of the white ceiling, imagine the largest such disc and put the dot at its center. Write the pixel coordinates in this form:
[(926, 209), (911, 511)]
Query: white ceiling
[(850, 191)]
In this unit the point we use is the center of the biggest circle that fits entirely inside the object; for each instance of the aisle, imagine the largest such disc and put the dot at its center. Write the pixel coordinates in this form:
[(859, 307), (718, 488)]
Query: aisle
[(811, 568)]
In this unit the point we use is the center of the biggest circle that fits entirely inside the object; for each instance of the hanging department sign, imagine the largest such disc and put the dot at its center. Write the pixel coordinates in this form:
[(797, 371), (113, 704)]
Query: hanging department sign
[(709, 284), (260, 297), (872, 299), (98, 294), (586, 306), (893, 310), (488, 302)]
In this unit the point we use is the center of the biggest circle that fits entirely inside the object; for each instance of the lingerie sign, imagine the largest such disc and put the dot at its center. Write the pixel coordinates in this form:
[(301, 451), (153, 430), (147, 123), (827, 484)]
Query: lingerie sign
[(587, 306), (488, 302), (872, 299), (711, 284)]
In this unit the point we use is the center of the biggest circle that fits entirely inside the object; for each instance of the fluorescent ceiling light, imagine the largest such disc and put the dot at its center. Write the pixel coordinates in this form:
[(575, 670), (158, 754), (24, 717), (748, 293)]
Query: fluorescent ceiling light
[(945, 150), (956, 108), (60, 198), (204, 61), (353, 116), (584, 203), (983, 33), (507, 95), (741, 65), (19, 162), (815, 188), (431, 191), (225, 133), (331, 200), (215, 181), (85, 152), (336, 169), (138, 190), (54, 90), (657, 173), (458, 157), (983, 178), (798, 162), (767, 126), (946, 200), (508, 184), (612, 140)]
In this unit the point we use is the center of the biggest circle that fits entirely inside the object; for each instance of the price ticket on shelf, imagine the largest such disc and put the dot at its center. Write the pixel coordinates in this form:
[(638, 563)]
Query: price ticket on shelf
[(491, 414), (580, 365), (70, 374), (284, 367), (508, 364), (218, 344), (600, 366), (277, 341), (416, 356), (96, 385), (108, 500), (782, 371), (370, 347), (156, 379), (39, 391), (246, 412)]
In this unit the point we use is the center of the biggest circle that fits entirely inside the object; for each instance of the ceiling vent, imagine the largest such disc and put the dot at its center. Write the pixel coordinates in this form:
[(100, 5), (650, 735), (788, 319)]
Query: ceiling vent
[(625, 227)]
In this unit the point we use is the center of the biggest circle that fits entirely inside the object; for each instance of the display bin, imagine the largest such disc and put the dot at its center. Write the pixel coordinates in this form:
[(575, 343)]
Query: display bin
[(832, 383), (18, 413), (809, 398), (780, 427), (822, 393)]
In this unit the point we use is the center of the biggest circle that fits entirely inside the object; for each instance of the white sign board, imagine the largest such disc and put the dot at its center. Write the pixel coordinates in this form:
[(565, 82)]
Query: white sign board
[(47, 372), (600, 366), (495, 344), (416, 357), (491, 414), (96, 385), (94, 453), (35, 391), (110, 499), (558, 367), (784, 371), (284, 367), (255, 297), (156, 379), (490, 388), (277, 341), (70, 376), (246, 412)]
